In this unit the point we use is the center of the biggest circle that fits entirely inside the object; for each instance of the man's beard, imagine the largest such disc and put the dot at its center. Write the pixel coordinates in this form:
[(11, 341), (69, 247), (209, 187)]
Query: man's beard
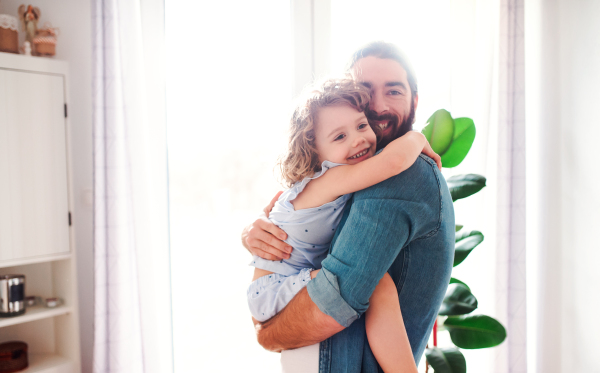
[(397, 130)]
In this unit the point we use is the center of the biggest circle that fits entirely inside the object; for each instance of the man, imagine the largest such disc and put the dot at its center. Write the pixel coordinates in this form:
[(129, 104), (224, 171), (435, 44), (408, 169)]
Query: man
[(404, 225)]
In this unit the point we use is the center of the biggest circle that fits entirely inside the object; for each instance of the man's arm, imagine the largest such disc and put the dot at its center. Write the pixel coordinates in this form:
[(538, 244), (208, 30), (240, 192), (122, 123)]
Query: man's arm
[(299, 324), (380, 222), (264, 238)]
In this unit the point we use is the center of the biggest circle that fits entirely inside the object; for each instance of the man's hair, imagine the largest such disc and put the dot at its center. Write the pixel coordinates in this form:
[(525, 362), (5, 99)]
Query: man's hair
[(301, 158), (381, 49)]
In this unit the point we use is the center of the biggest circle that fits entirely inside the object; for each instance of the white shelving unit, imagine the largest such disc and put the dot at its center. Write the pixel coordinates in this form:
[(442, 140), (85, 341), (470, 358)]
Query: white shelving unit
[(36, 229)]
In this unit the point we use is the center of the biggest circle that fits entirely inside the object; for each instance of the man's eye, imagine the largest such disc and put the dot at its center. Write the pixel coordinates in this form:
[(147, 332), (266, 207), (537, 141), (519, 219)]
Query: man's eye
[(339, 137), (362, 125), (394, 93)]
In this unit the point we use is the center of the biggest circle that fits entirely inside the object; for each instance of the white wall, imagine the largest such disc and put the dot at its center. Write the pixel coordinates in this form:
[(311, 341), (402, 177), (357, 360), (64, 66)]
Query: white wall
[(73, 18)]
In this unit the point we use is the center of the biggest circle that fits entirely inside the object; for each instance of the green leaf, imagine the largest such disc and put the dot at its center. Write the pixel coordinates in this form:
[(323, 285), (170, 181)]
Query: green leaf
[(439, 131), (459, 227), (457, 301), (462, 186), (446, 360), (464, 135), (475, 331), (466, 240), (457, 281)]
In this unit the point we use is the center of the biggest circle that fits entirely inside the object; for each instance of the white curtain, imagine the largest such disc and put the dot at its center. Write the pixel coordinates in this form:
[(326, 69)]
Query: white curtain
[(132, 321), (511, 303), (563, 76)]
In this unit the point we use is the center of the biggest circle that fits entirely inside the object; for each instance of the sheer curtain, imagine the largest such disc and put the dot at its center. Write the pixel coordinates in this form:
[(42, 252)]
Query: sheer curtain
[(132, 296)]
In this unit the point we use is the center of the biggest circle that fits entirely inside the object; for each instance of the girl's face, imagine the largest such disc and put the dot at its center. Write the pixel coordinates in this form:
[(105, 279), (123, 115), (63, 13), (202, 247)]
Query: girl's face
[(343, 135)]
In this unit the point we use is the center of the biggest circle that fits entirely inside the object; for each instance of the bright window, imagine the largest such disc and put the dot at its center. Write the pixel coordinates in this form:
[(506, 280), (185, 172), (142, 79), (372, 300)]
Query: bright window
[(228, 98)]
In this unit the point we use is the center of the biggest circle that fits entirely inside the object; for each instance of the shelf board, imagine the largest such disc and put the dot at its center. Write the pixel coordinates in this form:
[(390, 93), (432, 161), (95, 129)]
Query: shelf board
[(35, 313), (48, 363), (35, 259)]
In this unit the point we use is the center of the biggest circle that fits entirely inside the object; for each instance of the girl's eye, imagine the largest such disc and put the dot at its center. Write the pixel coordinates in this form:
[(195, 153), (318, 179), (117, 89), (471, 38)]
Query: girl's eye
[(339, 137), (362, 126)]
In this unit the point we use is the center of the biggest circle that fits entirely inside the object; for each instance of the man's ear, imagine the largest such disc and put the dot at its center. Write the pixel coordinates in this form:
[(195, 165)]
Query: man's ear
[(416, 101)]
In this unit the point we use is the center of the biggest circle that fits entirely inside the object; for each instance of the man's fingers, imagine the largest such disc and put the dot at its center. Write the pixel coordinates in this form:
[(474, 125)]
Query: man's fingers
[(265, 255), (267, 242), (277, 232)]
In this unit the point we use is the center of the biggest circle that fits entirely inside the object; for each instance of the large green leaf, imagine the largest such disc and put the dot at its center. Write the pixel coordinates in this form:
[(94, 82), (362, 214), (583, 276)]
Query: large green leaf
[(457, 281), (446, 360), (457, 301), (475, 331), (464, 135), (466, 240), (439, 131), (462, 186)]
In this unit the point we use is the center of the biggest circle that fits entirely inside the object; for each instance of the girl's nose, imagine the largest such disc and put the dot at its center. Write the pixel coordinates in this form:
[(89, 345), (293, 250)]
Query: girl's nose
[(359, 140)]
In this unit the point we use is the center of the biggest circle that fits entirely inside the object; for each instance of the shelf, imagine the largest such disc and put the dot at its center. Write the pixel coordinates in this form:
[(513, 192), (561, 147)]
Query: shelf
[(35, 313), (35, 259), (48, 363)]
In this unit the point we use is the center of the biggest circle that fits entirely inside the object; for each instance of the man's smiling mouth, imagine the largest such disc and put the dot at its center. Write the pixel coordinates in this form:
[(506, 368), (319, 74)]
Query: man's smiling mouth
[(358, 155)]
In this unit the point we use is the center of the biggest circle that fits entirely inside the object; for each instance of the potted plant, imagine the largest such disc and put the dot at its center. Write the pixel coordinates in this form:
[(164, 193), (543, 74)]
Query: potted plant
[(452, 138)]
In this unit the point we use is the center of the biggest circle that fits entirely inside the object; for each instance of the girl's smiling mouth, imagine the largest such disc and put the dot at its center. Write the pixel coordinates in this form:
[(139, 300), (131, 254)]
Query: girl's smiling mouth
[(360, 154)]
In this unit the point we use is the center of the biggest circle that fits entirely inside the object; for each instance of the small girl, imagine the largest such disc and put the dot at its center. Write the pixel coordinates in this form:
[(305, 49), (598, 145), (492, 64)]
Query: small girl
[(331, 154)]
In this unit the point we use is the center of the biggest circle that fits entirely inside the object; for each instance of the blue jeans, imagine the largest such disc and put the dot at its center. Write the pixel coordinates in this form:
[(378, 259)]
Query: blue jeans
[(405, 226)]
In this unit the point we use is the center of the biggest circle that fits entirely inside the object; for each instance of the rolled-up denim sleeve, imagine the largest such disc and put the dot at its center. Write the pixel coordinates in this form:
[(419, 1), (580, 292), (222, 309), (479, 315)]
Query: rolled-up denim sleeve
[(324, 291), (381, 221)]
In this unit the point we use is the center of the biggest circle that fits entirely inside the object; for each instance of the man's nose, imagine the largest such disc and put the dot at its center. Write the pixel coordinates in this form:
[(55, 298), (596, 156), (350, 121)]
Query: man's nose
[(378, 104)]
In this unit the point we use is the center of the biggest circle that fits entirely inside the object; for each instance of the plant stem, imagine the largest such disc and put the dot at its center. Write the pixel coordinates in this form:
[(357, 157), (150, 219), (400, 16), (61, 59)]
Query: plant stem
[(435, 334), (426, 362)]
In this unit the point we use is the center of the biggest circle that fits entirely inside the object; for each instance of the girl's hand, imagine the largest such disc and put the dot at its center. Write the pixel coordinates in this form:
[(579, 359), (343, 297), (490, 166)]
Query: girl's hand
[(265, 239), (431, 154)]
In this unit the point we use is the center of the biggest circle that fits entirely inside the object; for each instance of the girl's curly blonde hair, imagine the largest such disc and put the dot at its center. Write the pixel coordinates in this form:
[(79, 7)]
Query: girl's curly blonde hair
[(301, 158)]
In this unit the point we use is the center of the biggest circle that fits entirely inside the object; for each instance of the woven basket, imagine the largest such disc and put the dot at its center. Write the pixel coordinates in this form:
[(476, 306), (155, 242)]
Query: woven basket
[(45, 42), (13, 357), (9, 37)]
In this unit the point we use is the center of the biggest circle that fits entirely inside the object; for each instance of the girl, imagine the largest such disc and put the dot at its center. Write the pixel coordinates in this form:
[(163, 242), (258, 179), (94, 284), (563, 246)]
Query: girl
[(331, 154)]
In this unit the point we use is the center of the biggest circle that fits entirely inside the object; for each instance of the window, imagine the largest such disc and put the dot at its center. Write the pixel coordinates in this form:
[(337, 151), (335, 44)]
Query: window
[(228, 101)]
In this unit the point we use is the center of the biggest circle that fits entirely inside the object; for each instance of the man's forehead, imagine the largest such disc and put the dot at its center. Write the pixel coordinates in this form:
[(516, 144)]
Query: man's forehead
[(378, 71)]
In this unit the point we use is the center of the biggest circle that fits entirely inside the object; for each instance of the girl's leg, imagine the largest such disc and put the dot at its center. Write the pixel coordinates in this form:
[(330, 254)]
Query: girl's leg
[(386, 331)]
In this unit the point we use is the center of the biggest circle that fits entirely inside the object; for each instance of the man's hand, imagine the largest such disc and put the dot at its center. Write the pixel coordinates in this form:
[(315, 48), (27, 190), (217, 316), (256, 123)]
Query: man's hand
[(431, 154), (264, 238)]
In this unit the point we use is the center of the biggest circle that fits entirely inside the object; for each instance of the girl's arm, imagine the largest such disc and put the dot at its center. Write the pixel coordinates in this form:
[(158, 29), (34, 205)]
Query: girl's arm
[(396, 157)]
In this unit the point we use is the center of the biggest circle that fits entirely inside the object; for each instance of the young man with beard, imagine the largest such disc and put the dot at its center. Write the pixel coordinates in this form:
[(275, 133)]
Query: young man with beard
[(404, 225)]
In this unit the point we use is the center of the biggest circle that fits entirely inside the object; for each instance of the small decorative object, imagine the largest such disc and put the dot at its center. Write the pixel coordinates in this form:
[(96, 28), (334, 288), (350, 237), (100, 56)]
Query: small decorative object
[(53, 302), (9, 36), (45, 41), (31, 301), (29, 17), (12, 295), (27, 48), (13, 357)]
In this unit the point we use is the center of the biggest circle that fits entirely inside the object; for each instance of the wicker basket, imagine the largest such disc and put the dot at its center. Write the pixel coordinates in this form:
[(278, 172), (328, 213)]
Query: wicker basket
[(13, 357), (9, 37), (44, 42)]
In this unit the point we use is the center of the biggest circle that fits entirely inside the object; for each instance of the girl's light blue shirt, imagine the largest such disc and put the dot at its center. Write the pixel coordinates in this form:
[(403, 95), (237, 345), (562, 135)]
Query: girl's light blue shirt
[(309, 231)]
